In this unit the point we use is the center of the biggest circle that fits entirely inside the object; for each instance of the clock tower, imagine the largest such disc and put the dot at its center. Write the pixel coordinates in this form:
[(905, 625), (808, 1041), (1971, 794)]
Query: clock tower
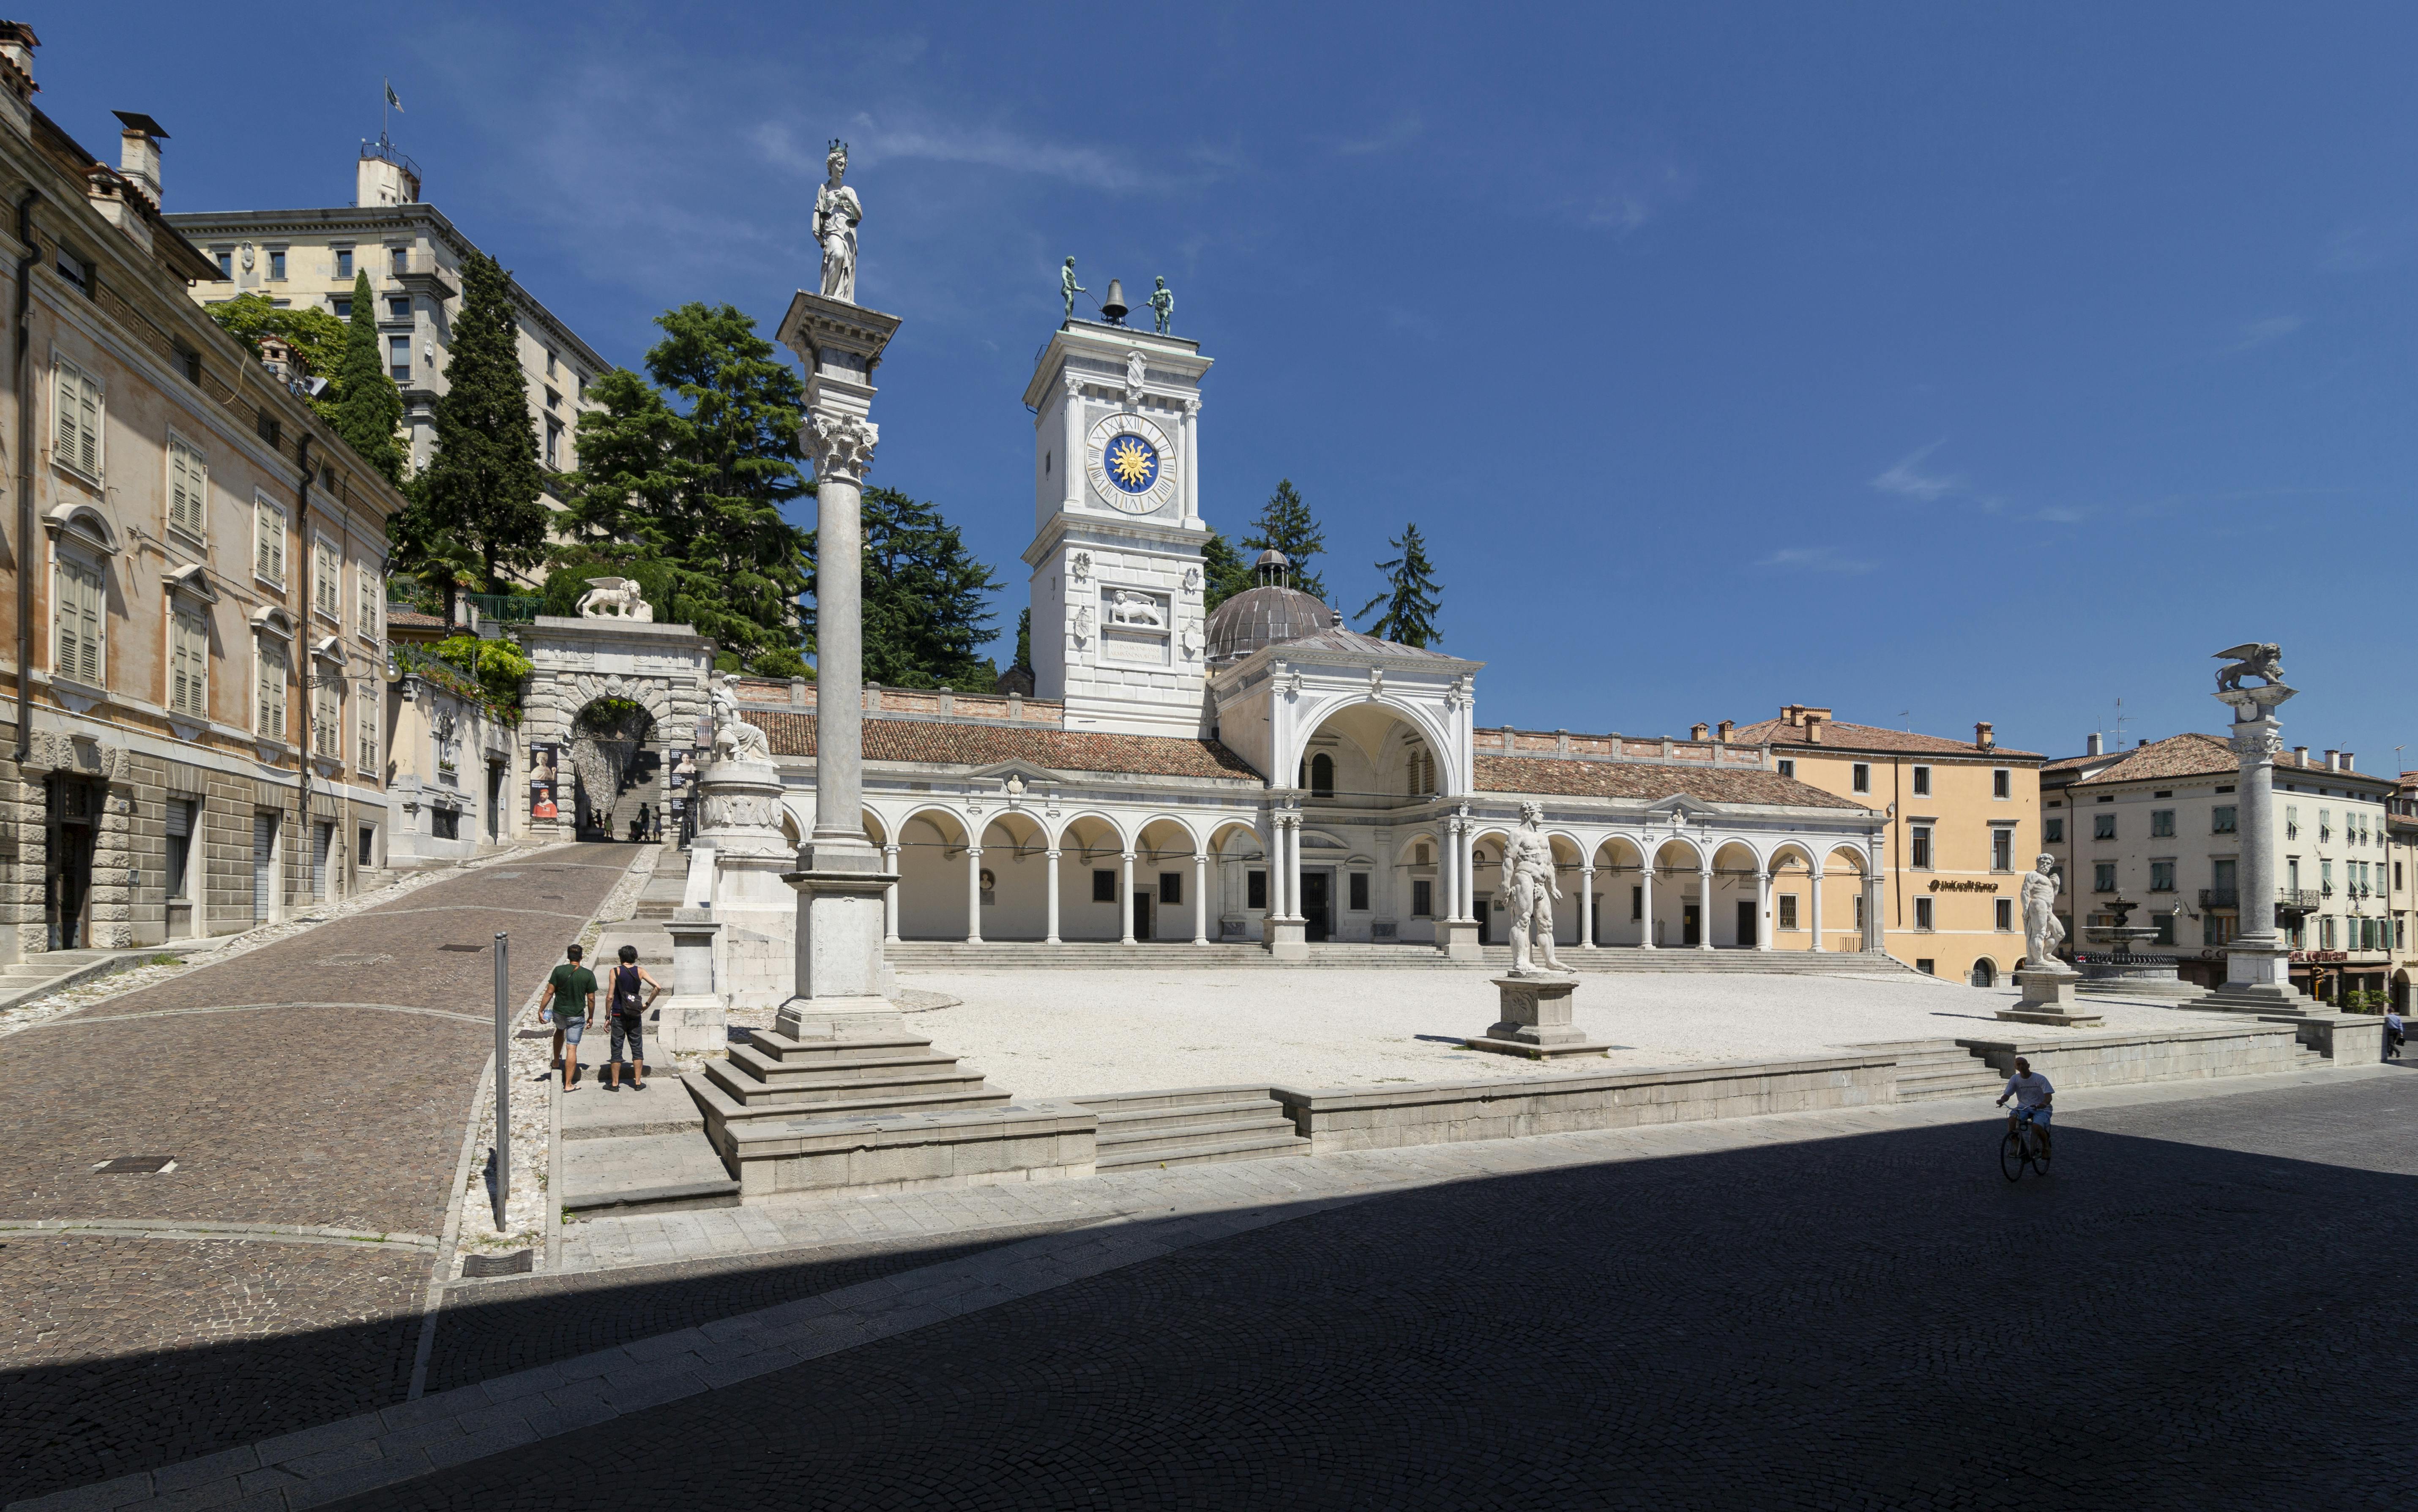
[(1118, 627)]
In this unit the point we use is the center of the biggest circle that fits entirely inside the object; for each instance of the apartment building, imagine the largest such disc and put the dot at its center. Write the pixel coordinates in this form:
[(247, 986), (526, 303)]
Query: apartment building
[(193, 724), (1964, 826), (413, 256), (2159, 825)]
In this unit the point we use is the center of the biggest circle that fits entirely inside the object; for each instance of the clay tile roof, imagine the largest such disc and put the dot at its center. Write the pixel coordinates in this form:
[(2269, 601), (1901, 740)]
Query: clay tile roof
[(1342, 639), (1837, 734), (2073, 763), (2177, 756), (397, 614), (1646, 780), (983, 745)]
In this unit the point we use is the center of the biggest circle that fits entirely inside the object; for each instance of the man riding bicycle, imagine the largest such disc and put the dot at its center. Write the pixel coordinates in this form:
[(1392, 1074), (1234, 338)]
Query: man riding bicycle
[(2031, 1094)]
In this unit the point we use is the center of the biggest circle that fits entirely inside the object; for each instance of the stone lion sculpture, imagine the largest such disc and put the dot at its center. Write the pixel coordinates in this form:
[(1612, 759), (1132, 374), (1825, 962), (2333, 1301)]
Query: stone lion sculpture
[(616, 598)]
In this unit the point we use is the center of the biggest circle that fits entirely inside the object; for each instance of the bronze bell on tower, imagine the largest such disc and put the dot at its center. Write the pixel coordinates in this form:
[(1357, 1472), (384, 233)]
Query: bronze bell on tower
[(1114, 306)]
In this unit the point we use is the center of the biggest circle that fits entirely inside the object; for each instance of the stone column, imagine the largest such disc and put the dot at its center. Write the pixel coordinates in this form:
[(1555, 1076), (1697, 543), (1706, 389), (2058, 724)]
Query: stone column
[(1874, 938), (1586, 908), (1191, 481), (1050, 937), (2259, 961), (841, 980), (1704, 907), (1125, 896), (1645, 907), (1469, 870), (1293, 867), (1071, 459), (1447, 906), (973, 895), (1200, 898), (890, 894), (1815, 918)]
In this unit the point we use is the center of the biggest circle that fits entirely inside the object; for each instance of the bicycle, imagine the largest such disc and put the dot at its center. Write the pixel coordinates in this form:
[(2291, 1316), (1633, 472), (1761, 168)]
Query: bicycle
[(2021, 1147)]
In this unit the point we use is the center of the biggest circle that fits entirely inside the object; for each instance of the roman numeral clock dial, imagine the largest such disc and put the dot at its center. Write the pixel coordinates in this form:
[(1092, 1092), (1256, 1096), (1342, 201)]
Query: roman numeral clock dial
[(1131, 463)]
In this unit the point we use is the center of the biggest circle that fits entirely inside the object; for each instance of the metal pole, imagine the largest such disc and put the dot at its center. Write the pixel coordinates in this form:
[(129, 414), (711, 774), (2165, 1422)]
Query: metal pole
[(503, 1085)]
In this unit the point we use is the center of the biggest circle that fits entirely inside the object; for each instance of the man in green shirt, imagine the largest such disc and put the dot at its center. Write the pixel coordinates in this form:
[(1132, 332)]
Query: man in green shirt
[(568, 990)]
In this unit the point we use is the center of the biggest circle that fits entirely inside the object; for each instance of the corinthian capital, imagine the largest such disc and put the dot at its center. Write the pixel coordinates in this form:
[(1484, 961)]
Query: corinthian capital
[(842, 446), (2259, 744)]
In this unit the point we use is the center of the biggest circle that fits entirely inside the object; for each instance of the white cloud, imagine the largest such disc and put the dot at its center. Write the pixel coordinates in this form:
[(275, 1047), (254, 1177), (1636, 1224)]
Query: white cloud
[(1815, 559), (1402, 132), (2272, 329), (1906, 479), (872, 141)]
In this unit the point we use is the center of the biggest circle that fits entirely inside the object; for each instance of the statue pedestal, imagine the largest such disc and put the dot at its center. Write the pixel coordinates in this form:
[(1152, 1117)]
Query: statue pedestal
[(837, 961), (1287, 940), (692, 1019), (2048, 999), (1536, 1021), (1458, 939), (739, 835)]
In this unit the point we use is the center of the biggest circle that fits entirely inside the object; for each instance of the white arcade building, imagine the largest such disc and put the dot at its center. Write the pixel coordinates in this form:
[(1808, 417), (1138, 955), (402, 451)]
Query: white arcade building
[(1261, 773)]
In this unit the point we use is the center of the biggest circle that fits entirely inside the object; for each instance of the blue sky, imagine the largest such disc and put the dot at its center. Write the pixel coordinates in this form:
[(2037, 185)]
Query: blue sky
[(1935, 363)]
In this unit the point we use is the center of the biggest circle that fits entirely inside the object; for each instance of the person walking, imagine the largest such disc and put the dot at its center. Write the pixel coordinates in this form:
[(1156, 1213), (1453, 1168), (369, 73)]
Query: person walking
[(2393, 1036), (630, 1019), (567, 992)]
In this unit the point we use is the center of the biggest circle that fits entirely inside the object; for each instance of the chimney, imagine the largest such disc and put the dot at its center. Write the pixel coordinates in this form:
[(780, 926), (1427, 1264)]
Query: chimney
[(1981, 736), (2141, 744), (138, 152), (2301, 755), (1812, 727), (1792, 715), (2090, 746), (2333, 762), (1699, 730), (1721, 730), (2346, 766), (17, 44)]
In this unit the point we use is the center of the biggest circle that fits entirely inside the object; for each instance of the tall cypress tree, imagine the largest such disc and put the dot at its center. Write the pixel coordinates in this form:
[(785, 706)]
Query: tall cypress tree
[(1410, 599), (369, 407), (1223, 572), (1285, 525), (926, 599), (1024, 638), (688, 476), (479, 498)]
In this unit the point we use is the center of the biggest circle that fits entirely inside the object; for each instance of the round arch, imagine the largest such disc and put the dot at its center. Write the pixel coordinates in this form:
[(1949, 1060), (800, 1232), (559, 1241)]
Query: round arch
[(1072, 822), (1310, 720)]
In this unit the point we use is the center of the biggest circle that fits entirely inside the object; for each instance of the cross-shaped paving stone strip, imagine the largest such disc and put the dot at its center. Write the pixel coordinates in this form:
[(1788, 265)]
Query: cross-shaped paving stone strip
[(336, 1110)]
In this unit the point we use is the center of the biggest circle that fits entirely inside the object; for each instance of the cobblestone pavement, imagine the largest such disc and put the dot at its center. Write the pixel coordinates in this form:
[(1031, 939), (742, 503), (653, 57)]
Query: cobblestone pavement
[(2191, 1311), (320, 1081)]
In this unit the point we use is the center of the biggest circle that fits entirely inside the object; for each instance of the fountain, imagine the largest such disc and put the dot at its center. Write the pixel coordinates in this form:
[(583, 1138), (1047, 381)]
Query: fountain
[(2121, 973)]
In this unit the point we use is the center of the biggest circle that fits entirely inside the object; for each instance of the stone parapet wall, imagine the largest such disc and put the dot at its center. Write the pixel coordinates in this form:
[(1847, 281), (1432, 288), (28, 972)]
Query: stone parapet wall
[(1344, 1118), (910, 703), (1027, 1142), (2077, 1060), (1615, 747)]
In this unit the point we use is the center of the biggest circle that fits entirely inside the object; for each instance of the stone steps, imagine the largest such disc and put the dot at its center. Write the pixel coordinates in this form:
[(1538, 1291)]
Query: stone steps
[(631, 1151), (943, 1084), (1192, 1126), (58, 969), (1929, 1070)]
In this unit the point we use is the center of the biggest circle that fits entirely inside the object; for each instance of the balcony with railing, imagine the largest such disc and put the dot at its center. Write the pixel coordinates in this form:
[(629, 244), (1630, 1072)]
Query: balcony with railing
[(2220, 897), (2297, 900), (422, 274)]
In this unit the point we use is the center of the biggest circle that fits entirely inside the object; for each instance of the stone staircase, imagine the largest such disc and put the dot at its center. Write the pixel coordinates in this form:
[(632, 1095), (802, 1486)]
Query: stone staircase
[(54, 970), (626, 1150), (1023, 954), (774, 1076), (1928, 1070), (1192, 1126)]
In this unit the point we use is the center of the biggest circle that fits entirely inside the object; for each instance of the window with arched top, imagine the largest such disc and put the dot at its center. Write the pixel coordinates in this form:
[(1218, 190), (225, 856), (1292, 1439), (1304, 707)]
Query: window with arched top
[(1422, 771), (1322, 776)]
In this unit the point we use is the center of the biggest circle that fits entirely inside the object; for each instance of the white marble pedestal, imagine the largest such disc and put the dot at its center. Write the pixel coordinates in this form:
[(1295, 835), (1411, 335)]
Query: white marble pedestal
[(739, 806), (2048, 999), (693, 1018), (1536, 1021), (837, 962), (1287, 939), (1458, 939)]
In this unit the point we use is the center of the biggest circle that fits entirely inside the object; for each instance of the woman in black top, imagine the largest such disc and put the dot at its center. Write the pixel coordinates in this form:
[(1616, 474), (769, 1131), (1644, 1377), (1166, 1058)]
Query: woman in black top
[(621, 985)]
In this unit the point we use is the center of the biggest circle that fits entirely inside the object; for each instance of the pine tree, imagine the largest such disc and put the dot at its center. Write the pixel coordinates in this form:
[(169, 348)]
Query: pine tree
[(1410, 601), (924, 598), (1285, 525), (368, 407), (1223, 572), (687, 488), (478, 497), (1024, 638)]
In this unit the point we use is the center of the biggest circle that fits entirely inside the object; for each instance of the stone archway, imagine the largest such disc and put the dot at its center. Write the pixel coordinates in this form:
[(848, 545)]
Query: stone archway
[(617, 760), (578, 663)]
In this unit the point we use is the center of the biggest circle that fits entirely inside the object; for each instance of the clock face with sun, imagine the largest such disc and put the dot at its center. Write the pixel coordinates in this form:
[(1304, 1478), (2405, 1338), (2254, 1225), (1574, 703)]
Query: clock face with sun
[(1132, 463)]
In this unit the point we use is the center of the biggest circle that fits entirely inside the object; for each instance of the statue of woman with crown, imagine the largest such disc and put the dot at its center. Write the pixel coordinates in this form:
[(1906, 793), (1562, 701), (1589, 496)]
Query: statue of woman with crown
[(836, 213)]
